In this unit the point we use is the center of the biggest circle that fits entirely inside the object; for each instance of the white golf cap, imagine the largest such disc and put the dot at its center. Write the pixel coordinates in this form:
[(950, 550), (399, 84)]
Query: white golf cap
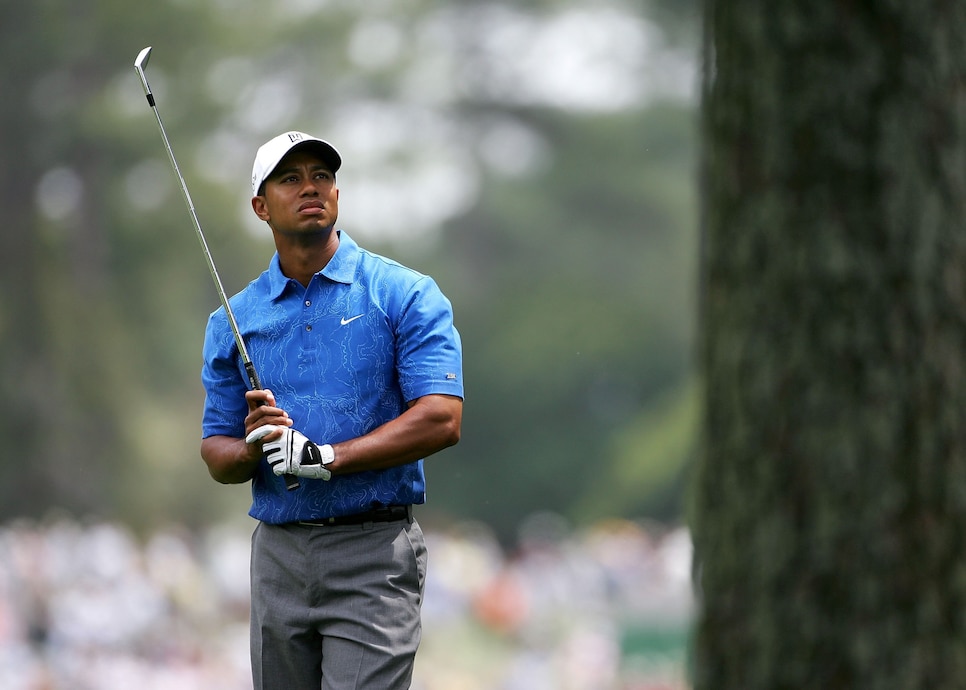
[(271, 152)]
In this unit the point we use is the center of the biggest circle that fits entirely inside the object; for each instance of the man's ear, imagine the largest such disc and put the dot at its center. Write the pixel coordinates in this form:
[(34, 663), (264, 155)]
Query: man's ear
[(258, 206)]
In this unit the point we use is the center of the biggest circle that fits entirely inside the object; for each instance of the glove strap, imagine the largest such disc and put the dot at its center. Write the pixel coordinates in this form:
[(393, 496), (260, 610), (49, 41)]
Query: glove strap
[(313, 454)]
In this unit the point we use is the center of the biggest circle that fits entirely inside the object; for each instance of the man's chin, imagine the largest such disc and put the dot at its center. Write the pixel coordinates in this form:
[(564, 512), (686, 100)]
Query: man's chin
[(310, 230), (309, 236)]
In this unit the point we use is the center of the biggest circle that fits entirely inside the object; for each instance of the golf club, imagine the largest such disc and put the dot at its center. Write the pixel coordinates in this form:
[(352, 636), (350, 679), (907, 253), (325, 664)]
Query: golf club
[(291, 481)]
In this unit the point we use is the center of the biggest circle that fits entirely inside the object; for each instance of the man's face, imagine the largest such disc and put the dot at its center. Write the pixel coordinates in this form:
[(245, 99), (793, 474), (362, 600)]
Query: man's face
[(300, 196)]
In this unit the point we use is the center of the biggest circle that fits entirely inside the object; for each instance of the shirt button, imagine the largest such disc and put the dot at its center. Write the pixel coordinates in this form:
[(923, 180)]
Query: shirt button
[(308, 328), (308, 303)]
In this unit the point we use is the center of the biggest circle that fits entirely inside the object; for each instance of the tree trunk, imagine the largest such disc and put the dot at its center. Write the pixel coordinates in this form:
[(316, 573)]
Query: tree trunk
[(830, 500)]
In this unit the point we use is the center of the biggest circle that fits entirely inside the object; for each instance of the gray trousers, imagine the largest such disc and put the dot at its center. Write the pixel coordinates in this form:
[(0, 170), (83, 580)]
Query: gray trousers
[(336, 607)]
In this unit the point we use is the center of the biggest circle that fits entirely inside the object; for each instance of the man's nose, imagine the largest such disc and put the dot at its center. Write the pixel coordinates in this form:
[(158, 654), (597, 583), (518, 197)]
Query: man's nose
[(309, 187)]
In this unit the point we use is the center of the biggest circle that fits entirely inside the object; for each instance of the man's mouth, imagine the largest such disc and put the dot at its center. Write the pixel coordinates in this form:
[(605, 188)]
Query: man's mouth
[(311, 207)]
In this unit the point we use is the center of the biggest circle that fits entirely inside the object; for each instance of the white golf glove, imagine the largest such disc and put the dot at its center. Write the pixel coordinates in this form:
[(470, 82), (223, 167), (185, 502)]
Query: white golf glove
[(293, 453)]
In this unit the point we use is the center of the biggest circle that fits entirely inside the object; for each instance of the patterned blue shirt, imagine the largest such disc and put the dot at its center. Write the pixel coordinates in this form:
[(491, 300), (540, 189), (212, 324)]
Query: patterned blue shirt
[(342, 357)]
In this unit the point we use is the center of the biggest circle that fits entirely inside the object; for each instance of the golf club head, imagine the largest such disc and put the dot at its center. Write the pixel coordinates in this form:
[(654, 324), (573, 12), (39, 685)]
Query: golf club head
[(139, 65), (143, 58)]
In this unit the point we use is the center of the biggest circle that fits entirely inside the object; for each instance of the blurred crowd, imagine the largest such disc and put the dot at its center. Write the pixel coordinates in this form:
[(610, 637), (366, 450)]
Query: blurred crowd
[(94, 607)]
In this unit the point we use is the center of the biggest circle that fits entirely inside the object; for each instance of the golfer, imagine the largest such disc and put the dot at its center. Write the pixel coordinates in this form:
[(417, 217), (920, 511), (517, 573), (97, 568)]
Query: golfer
[(362, 370)]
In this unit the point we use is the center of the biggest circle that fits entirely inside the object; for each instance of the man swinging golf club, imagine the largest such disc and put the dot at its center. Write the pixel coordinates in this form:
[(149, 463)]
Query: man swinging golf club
[(362, 373)]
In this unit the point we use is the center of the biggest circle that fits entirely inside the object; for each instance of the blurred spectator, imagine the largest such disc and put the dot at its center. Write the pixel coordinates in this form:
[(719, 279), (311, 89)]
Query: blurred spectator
[(92, 607)]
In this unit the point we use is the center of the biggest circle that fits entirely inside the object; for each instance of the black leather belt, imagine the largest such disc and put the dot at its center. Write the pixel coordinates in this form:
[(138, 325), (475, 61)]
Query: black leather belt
[(387, 514)]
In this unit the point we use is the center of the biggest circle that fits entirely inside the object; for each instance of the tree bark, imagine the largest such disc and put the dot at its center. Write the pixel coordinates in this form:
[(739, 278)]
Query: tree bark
[(830, 499)]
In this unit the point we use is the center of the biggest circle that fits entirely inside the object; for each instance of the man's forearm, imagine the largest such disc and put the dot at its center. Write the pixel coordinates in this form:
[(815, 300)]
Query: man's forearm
[(431, 424), (229, 460)]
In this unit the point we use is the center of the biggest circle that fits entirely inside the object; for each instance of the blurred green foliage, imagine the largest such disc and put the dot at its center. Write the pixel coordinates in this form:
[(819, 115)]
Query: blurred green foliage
[(560, 220)]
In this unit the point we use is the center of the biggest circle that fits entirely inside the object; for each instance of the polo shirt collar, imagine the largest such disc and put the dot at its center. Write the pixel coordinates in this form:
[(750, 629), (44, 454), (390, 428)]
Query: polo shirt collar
[(341, 267)]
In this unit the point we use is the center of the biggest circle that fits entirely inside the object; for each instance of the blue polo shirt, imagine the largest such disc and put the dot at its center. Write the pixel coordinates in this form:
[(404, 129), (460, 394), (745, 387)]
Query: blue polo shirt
[(342, 357)]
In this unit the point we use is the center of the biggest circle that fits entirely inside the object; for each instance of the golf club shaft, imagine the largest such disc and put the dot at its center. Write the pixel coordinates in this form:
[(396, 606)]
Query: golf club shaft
[(291, 481)]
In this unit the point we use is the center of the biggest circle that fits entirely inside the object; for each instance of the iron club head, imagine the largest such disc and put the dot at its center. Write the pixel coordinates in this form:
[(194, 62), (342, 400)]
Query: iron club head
[(139, 65), (143, 58)]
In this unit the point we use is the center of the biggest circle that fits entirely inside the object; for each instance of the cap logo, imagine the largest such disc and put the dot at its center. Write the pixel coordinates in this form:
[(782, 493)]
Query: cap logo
[(295, 136)]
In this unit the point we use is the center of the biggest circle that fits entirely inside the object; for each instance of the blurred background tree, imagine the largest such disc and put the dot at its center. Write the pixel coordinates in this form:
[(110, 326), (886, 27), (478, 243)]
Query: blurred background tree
[(544, 168), (831, 493)]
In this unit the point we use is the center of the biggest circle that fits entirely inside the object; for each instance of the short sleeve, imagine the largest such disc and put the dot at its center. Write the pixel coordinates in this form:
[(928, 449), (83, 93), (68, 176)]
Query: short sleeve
[(225, 406), (429, 353)]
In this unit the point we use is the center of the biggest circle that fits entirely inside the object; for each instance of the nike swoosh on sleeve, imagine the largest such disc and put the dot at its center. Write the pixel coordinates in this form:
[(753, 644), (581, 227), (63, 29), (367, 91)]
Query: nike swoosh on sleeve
[(350, 320)]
